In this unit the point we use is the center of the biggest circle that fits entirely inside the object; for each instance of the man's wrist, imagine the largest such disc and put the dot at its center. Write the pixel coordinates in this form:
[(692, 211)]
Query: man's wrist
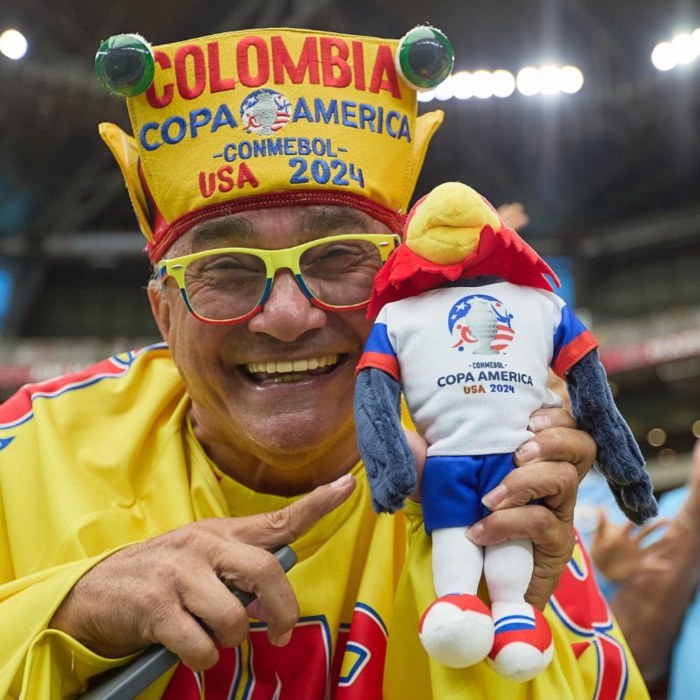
[(688, 521)]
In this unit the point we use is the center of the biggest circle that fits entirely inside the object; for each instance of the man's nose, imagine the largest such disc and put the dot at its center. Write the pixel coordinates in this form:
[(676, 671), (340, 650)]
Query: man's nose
[(288, 313)]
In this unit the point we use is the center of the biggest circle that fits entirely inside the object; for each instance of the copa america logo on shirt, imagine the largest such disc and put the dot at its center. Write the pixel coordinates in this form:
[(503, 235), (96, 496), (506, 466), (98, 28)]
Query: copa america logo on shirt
[(265, 112), (483, 323)]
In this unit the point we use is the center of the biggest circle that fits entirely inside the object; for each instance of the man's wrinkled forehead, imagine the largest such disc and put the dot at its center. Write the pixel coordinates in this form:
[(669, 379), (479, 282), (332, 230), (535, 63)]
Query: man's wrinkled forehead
[(275, 228)]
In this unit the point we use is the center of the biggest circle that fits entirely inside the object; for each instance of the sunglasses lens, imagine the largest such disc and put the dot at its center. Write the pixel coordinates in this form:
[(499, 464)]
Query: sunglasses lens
[(341, 273), (225, 286)]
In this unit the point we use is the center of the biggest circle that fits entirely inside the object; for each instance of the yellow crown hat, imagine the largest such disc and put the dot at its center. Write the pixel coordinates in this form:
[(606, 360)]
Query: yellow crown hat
[(270, 117)]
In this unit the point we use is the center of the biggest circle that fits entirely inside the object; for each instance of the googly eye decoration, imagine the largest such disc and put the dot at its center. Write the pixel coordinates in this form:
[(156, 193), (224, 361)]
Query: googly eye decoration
[(125, 65), (425, 57)]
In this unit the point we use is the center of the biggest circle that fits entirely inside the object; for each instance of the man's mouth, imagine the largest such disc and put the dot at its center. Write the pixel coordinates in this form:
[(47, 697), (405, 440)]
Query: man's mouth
[(282, 371)]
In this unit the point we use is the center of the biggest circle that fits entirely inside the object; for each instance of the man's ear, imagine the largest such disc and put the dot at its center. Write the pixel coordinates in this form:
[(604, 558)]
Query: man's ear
[(160, 307)]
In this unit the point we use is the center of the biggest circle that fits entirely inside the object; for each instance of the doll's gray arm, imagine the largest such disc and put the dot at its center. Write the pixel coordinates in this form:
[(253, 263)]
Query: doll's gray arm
[(388, 460), (619, 459)]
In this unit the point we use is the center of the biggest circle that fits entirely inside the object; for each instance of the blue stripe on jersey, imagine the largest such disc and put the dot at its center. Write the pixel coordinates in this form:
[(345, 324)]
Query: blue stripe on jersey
[(378, 341), (111, 368), (568, 330)]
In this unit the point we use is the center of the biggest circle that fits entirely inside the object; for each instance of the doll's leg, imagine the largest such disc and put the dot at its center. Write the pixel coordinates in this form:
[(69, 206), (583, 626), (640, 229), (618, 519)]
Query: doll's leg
[(457, 562), (508, 570), (457, 628), (523, 640)]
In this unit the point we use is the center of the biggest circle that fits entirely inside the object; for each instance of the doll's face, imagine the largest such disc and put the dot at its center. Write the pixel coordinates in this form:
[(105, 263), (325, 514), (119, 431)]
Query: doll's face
[(448, 234)]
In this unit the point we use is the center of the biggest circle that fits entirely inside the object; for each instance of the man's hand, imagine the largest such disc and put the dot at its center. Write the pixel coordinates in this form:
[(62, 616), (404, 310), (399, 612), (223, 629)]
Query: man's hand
[(514, 215), (154, 591), (620, 552), (551, 465)]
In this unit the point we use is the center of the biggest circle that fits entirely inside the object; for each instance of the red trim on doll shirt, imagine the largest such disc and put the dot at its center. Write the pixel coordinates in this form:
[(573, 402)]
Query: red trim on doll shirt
[(165, 233), (379, 360), (572, 352)]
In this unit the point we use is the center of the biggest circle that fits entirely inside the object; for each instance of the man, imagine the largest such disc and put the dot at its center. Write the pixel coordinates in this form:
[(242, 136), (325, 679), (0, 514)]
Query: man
[(129, 491), (650, 576)]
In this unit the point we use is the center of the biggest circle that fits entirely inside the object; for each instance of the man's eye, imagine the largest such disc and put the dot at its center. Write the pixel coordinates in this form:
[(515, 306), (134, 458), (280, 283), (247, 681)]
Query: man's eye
[(338, 251), (230, 263), (334, 253), (224, 265)]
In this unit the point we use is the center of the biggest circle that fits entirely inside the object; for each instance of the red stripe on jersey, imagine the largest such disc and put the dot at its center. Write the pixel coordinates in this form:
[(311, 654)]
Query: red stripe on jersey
[(379, 360), (572, 352), (19, 406)]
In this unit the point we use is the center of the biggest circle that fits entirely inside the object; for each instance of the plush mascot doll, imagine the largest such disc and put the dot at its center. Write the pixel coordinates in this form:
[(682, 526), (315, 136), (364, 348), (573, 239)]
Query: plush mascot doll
[(468, 328)]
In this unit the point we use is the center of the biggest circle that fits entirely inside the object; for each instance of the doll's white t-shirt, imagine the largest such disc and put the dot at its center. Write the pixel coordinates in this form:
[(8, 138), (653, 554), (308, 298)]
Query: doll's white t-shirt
[(473, 361)]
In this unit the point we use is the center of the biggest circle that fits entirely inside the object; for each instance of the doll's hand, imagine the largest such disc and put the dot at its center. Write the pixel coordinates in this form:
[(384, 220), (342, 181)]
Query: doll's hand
[(551, 465)]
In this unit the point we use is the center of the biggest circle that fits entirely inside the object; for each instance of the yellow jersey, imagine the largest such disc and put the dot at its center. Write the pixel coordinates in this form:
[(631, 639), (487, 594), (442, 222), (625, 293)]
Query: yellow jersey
[(98, 460)]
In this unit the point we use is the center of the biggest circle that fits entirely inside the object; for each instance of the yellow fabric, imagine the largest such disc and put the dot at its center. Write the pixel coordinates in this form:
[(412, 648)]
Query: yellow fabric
[(92, 462), (336, 100), (126, 154)]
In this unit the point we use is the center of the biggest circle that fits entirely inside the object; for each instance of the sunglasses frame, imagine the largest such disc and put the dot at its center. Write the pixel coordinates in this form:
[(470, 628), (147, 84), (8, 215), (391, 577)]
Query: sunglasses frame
[(275, 259)]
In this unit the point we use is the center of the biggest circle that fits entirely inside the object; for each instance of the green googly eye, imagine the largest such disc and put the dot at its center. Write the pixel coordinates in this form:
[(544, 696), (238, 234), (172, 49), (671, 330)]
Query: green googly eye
[(425, 57), (125, 65)]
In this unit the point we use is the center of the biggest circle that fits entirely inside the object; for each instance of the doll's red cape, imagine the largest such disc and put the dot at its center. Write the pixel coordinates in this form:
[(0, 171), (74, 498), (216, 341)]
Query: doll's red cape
[(501, 253)]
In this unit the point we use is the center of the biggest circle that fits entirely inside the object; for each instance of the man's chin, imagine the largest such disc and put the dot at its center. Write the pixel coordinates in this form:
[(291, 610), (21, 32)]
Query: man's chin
[(300, 436)]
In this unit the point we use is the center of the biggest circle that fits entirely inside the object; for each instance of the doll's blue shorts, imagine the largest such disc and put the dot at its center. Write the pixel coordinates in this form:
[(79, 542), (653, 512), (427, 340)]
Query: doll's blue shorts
[(453, 486)]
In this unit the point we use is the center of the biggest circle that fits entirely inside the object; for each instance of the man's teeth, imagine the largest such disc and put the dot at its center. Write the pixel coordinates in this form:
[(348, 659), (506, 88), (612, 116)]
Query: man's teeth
[(285, 367)]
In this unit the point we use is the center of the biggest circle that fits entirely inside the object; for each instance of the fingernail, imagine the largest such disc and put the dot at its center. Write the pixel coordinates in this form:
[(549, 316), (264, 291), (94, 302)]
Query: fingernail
[(474, 532), (283, 639), (528, 451), (538, 423), (493, 498), (339, 483)]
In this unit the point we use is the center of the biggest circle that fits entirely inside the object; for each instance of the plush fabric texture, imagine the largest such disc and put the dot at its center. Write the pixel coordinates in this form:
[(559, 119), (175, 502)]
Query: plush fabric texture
[(500, 252), (391, 471), (619, 458), (469, 365)]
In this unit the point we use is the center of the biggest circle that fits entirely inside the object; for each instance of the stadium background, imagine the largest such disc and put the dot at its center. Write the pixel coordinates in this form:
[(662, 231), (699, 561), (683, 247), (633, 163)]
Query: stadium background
[(609, 176)]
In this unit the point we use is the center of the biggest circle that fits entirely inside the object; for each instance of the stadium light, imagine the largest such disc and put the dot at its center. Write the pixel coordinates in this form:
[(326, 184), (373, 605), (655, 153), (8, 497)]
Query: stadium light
[(463, 85), (503, 83), (570, 79), (547, 80), (13, 44), (682, 49)]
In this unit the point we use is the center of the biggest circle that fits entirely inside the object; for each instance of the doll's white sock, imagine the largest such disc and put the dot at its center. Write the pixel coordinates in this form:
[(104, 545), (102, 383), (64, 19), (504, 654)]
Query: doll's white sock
[(508, 570), (457, 562)]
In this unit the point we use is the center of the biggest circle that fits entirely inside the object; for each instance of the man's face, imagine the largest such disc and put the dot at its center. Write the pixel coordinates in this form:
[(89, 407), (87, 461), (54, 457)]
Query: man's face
[(279, 387)]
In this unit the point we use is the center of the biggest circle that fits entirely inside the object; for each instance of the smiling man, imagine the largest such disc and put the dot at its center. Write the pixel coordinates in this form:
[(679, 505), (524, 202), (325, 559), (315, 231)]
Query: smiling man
[(270, 171), (272, 394)]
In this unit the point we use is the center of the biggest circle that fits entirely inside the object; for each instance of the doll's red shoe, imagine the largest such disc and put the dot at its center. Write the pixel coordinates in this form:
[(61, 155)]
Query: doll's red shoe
[(522, 648), (457, 630)]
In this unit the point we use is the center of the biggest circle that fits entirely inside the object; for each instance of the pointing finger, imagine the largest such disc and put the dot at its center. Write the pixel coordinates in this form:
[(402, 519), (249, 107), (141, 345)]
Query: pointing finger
[(276, 528)]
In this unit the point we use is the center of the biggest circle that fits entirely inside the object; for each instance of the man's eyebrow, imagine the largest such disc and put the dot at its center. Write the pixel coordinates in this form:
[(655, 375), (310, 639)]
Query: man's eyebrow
[(217, 231), (321, 220)]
